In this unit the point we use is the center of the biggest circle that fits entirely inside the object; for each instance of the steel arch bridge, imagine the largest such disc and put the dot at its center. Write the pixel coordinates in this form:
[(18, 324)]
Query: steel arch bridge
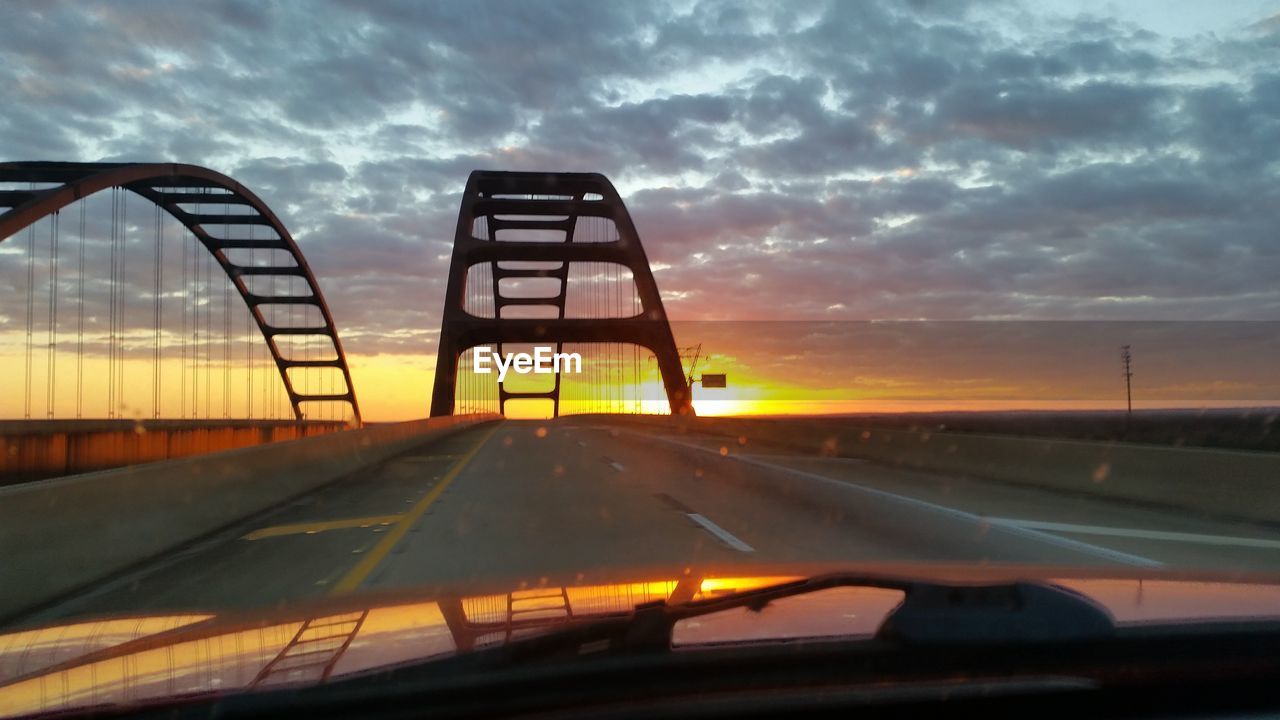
[(547, 205), (187, 193)]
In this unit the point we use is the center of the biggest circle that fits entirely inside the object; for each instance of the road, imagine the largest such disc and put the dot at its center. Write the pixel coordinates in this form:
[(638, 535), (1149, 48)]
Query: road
[(574, 501)]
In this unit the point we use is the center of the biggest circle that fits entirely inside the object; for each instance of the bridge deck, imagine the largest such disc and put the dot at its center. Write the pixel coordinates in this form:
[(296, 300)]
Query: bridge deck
[(586, 500)]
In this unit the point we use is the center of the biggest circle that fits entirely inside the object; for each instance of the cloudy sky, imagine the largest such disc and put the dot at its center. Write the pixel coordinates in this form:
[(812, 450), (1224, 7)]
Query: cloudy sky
[(799, 160)]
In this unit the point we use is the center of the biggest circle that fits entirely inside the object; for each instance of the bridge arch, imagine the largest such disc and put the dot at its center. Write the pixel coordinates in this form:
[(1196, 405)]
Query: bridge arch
[(175, 187), (539, 206)]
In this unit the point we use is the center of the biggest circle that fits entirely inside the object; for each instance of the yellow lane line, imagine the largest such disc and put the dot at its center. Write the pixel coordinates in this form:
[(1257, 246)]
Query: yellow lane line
[(374, 557), (310, 528)]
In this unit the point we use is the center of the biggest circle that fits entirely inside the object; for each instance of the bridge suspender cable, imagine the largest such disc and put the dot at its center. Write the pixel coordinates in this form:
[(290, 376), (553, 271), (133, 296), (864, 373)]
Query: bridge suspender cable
[(197, 290), (226, 328), (111, 311), (202, 342), (122, 303), (248, 342), (205, 317), (226, 346), (186, 309), (157, 291), (272, 388), (80, 317), (30, 326), (52, 352)]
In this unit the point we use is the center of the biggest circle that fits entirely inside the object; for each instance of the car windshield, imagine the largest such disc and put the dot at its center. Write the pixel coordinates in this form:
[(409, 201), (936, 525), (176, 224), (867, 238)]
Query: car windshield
[(350, 333)]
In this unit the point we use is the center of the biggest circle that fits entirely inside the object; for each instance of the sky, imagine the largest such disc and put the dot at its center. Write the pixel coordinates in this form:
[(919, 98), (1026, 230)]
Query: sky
[(802, 161)]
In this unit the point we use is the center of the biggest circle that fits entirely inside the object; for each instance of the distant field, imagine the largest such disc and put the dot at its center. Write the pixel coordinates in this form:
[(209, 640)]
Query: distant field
[(1234, 429)]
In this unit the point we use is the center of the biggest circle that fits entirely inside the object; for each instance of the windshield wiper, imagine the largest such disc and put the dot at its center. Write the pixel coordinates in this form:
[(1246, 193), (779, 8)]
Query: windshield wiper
[(930, 613)]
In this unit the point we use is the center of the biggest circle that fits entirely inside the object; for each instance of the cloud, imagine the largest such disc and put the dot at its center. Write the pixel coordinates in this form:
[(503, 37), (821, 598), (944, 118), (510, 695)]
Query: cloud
[(837, 160)]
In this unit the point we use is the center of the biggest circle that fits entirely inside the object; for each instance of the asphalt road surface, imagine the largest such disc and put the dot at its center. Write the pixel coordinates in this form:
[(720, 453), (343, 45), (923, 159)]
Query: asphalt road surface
[(574, 501)]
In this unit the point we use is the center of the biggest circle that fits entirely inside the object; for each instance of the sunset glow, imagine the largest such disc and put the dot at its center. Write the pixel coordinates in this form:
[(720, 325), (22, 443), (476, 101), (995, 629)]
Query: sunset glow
[(870, 181)]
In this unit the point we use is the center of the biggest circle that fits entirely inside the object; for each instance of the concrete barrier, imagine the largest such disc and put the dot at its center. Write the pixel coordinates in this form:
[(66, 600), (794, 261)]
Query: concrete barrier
[(62, 534), (36, 449), (1222, 483)]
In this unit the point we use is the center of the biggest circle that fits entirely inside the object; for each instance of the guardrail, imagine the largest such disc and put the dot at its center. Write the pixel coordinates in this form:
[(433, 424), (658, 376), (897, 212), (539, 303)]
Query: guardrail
[(62, 534)]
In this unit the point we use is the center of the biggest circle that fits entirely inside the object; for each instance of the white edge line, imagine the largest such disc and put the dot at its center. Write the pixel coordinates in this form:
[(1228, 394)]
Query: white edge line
[(1169, 535), (723, 535), (1028, 533)]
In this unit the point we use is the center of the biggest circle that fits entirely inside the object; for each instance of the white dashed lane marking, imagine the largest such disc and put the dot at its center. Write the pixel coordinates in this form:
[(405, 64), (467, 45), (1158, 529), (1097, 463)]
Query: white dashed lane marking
[(721, 534), (904, 500)]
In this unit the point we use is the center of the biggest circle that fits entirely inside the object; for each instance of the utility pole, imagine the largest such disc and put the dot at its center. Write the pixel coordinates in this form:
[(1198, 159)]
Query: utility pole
[(1126, 357), (696, 352), (693, 354)]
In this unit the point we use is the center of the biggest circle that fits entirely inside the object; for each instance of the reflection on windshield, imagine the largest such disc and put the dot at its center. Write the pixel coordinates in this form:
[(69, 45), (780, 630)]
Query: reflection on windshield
[(220, 661), (132, 660), (29, 651), (114, 662)]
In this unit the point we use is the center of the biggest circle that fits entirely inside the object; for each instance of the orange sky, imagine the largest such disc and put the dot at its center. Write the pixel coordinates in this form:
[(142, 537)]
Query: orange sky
[(773, 368), (776, 164)]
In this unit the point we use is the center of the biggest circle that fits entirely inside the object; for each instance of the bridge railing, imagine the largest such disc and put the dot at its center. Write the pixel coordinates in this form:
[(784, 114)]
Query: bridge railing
[(40, 449), (71, 532)]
